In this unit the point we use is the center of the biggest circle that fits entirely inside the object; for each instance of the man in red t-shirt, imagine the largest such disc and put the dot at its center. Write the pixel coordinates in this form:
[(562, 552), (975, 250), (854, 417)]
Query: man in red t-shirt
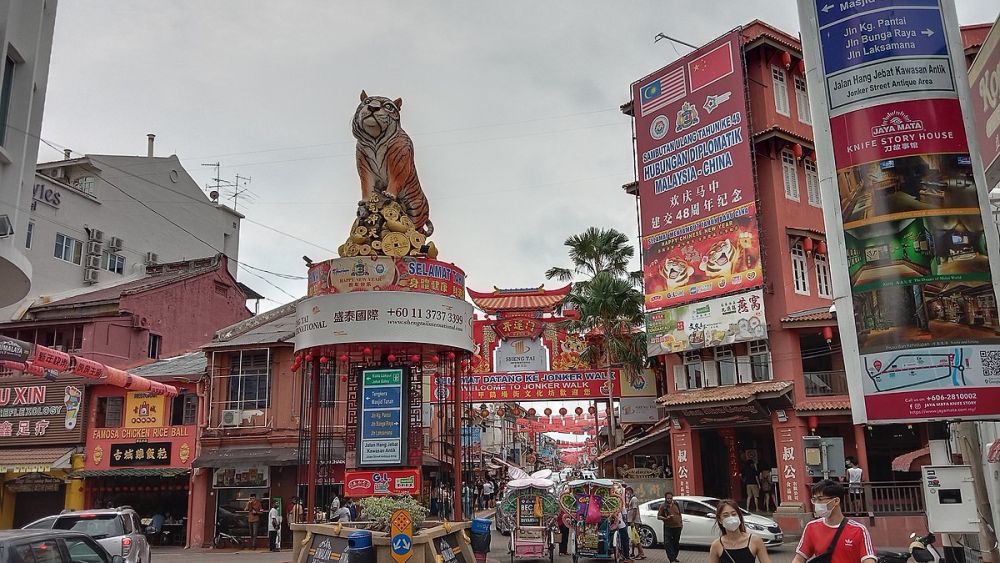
[(854, 545)]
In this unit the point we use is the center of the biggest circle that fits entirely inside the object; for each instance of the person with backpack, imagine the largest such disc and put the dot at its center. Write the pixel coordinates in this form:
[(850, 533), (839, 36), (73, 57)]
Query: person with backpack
[(833, 538)]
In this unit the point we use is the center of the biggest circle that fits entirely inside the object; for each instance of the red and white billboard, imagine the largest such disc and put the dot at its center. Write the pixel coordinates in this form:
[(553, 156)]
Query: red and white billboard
[(384, 482), (529, 386), (696, 184), (984, 80)]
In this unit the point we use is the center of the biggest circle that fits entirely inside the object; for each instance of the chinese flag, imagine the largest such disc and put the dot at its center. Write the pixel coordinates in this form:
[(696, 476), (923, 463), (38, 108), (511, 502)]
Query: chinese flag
[(711, 66)]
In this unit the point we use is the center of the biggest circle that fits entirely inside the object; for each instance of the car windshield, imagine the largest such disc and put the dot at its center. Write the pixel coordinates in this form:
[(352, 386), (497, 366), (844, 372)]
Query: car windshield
[(714, 503), (97, 526)]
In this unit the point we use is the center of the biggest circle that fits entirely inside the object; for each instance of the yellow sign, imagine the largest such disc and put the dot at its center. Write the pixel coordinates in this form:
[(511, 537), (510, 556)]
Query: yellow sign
[(144, 410), (401, 535)]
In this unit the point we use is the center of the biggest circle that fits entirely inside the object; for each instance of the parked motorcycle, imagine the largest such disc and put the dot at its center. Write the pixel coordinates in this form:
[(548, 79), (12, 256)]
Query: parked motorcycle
[(921, 549)]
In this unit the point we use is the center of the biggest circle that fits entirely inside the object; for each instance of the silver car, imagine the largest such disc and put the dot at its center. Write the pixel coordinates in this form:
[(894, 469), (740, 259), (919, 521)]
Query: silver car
[(118, 530), (698, 514)]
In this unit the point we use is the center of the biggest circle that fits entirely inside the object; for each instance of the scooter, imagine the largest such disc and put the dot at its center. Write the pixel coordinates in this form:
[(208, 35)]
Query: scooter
[(921, 549)]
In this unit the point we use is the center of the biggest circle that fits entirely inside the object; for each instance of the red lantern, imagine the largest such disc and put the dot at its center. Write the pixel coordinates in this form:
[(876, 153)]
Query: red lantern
[(801, 67), (821, 248), (563, 411), (547, 411), (798, 151), (532, 411), (579, 411), (828, 334), (298, 358), (309, 357), (813, 422), (786, 59), (484, 413), (391, 358), (343, 379), (344, 358), (451, 355), (367, 351), (324, 360), (501, 411), (807, 245), (435, 359), (415, 358)]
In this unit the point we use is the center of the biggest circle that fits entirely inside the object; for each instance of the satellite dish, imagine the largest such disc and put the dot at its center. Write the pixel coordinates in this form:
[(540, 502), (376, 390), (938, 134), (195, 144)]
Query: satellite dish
[(214, 194)]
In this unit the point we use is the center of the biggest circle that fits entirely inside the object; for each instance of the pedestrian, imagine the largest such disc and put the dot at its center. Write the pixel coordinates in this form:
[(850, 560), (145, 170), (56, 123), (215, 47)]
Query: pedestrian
[(342, 514), (467, 500), (445, 502), (621, 528), (670, 515), (274, 527), (840, 539), (767, 490), (253, 510), (735, 543), (563, 534), (296, 512), (854, 474), (751, 482), (488, 493), (632, 518), (335, 503)]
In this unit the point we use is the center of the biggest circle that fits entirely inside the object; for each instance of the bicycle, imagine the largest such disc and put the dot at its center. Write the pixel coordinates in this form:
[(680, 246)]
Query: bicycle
[(223, 540)]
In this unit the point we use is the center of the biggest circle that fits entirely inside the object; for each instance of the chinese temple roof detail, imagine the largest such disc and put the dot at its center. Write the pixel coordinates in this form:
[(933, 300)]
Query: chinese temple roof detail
[(520, 299)]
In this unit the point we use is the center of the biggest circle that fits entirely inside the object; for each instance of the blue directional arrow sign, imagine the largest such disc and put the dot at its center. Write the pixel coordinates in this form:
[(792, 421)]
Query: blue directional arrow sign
[(401, 544), (830, 11), (882, 34)]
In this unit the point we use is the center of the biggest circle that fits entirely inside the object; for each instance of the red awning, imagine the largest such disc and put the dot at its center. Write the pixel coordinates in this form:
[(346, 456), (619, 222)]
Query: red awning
[(913, 460)]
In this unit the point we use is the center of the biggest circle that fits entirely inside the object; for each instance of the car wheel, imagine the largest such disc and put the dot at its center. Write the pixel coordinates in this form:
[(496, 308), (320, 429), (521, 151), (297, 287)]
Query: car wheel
[(647, 537)]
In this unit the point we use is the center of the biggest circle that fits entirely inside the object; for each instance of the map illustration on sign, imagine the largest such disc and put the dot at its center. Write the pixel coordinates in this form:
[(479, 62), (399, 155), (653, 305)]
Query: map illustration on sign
[(906, 371)]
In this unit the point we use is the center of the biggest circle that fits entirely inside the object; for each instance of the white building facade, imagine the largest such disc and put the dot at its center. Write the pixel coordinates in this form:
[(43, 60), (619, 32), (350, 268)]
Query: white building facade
[(99, 220), (26, 28)]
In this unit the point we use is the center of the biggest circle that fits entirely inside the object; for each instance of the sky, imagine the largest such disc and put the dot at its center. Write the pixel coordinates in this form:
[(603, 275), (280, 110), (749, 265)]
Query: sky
[(512, 107)]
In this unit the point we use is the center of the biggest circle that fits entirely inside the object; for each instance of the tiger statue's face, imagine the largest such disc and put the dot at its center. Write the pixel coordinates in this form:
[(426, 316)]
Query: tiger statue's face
[(376, 116), (573, 345)]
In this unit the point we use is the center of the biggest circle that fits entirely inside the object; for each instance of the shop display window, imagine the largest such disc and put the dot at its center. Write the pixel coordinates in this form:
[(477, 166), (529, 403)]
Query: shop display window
[(231, 516)]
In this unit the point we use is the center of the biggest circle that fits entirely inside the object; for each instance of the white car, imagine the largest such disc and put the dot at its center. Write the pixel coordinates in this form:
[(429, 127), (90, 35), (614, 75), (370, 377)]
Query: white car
[(700, 528)]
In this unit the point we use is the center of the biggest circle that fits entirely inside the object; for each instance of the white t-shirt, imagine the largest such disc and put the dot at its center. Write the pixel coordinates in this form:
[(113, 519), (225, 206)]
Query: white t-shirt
[(342, 514), (335, 504), (854, 475), (487, 488), (273, 517)]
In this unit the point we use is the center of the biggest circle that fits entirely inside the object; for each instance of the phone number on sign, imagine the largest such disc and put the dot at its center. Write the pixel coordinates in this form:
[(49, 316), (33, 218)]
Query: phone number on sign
[(952, 397), (428, 314)]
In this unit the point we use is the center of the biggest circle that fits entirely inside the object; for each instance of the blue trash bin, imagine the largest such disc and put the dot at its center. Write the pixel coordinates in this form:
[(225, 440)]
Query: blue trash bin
[(481, 535), (359, 548)]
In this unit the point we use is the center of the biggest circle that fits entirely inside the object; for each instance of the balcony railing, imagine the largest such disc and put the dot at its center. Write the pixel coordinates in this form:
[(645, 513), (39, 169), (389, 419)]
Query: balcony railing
[(886, 499), (825, 383)]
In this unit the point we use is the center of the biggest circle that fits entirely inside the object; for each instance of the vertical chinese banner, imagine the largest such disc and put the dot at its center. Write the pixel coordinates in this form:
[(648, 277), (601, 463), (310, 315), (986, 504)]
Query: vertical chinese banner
[(913, 243)]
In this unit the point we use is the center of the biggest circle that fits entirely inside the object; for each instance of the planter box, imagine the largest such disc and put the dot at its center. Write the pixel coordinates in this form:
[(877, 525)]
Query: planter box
[(450, 540)]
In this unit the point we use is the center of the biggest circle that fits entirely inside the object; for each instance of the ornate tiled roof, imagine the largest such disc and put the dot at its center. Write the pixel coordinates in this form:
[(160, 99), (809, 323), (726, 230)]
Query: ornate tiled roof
[(725, 393), (825, 404), (528, 299), (811, 315)]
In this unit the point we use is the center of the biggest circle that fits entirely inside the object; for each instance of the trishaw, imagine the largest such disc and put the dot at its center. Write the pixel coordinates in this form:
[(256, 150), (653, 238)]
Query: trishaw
[(528, 509), (590, 507)]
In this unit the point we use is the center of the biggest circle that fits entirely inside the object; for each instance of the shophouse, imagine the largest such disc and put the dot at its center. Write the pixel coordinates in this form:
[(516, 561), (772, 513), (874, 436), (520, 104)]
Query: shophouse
[(26, 27), (172, 310), (100, 220)]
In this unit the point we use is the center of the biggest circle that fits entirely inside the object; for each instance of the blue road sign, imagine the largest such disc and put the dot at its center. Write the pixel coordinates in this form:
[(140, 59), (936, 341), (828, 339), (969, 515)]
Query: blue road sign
[(401, 544), (382, 425), (382, 398), (882, 34), (830, 11)]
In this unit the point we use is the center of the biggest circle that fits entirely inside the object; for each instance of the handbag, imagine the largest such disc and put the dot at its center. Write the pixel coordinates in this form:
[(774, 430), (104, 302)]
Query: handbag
[(827, 556), (634, 534)]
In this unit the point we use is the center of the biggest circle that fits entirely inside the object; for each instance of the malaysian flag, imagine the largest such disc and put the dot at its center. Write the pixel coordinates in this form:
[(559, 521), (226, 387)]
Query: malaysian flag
[(663, 91)]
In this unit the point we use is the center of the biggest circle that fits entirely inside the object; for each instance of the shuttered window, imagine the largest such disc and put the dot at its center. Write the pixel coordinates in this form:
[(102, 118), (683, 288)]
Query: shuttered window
[(780, 88)]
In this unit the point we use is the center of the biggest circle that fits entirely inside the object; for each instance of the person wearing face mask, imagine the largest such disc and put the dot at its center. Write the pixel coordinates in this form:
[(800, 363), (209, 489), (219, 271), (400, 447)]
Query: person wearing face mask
[(832, 538), (735, 545)]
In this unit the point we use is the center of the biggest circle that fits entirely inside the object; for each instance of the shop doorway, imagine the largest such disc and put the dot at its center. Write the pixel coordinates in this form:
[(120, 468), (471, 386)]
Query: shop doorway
[(714, 464), (29, 507)]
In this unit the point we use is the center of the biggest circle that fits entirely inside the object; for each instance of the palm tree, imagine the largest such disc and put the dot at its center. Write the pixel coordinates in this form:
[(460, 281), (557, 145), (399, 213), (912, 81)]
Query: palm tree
[(608, 299)]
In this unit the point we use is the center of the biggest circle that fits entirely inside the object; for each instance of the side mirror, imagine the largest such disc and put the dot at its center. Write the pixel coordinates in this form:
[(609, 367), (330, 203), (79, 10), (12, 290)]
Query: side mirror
[(117, 559), (710, 515)]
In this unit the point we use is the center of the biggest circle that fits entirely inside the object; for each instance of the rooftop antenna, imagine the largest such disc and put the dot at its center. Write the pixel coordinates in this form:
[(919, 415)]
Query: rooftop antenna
[(213, 191), (660, 36)]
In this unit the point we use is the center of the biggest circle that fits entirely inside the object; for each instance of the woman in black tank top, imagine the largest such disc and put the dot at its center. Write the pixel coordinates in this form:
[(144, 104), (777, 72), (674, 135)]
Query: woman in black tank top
[(735, 544)]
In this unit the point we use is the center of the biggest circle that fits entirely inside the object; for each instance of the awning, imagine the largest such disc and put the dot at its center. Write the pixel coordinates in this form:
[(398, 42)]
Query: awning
[(130, 472), (262, 455), (657, 431), (726, 394), (914, 460), (41, 459)]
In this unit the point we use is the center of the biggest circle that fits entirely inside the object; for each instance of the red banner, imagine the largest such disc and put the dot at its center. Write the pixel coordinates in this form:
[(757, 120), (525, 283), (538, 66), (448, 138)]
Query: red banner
[(388, 482), (696, 186), (984, 77), (530, 386), (385, 273)]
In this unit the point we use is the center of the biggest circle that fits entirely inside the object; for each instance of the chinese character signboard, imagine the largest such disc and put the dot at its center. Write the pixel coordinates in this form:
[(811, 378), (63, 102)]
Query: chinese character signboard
[(36, 412), (716, 322), (530, 386), (144, 410), (383, 412), (910, 227), (984, 78), (696, 184), (140, 454), (385, 273)]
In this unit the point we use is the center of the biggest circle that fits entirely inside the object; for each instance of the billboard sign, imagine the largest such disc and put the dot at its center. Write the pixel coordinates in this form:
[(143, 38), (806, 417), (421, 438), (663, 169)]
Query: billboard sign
[(389, 482), (381, 432), (386, 273), (696, 184), (717, 322), (529, 386), (909, 224), (984, 79), (36, 412), (521, 354)]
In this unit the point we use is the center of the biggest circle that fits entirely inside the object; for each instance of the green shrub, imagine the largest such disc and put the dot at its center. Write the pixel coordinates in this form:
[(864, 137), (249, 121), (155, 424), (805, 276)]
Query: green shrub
[(378, 511)]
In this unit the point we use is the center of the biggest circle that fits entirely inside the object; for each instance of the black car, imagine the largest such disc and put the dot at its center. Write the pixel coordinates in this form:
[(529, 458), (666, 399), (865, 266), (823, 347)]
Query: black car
[(52, 546)]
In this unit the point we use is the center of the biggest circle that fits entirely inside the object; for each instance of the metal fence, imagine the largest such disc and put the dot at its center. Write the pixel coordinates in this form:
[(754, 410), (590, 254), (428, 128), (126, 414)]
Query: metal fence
[(825, 383), (886, 499)]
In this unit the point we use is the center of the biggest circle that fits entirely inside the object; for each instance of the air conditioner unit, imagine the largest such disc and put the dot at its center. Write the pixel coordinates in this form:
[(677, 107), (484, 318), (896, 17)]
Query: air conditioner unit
[(93, 247), (152, 258), (116, 243), (90, 275), (138, 321), (231, 418), (96, 235), (93, 261)]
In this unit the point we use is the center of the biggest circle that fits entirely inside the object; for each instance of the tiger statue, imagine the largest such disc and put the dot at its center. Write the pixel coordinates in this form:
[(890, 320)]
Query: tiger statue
[(385, 159), (570, 357)]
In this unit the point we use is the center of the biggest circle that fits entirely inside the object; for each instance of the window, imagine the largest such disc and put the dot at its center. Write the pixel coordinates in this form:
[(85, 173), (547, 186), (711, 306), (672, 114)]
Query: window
[(28, 235), (760, 360), (812, 183), (695, 369), (46, 551), (802, 100), (114, 263), (184, 409), (155, 341), (780, 90), (790, 175), (81, 551), (823, 277), (727, 365), (68, 249), (249, 381), (85, 184), (799, 269), (6, 91), (109, 412)]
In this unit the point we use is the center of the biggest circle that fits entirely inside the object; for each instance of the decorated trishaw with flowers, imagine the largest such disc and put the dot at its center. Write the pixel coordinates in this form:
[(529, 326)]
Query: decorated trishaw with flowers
[(528, 509), (591, 508)]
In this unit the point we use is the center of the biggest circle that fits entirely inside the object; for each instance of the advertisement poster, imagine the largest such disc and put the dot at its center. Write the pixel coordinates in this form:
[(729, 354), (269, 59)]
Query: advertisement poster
[(382, 430), (639, 409), (984, 80), (35, 411), (696, 184), (521, 354), (144, 410), (642, 384), (242, 477), (385, 273), (736, 318), (530, 386), (396, 316), (921, 331), (391, 482)]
